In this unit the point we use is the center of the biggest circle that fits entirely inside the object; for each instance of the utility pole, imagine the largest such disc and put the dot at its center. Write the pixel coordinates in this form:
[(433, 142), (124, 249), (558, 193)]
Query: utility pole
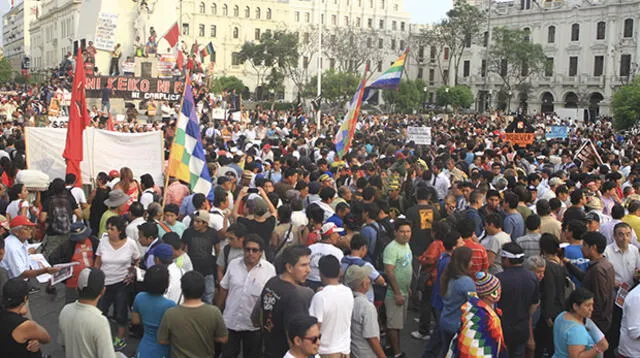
[(486, 59), (319, 76)]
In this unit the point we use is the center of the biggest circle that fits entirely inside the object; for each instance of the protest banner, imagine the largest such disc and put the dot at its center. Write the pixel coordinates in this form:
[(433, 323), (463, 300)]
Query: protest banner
[(521, 139), (419, 135), (554, 132), (132, 88), (105, 37)]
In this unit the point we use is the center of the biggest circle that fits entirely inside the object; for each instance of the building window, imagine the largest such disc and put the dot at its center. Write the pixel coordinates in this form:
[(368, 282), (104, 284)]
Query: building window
[(185, 29), (247, 12), (369, 23), (525, 4), (402, 26), (257, 34), (371, 4), (322, 19), (346, 20), (575, 32), (201, 30), (332, 63), (394, 25), (483, 68), (420, 72), (503, 67), (297, 16), (268, 14), (466, 68), (421, 53), (445, 75), (381, 25), (485, 39), (235, 59), (305, 62), (628, 28), (369, 42), (258, 13), (601, 30), (213, 30), (527, 34), (307, 17), (598, 65), (380, 43), (625, 65), (382, 4), (432, 53), (573, 66), (225, 10), (307, 37), (236, 11), (551, 34), (236, 33), (548, 67), (214, 9), (393, 44), (334, 20), (432, 75), (203, 8), (446, 53), (402, 45), (358, 22), (467, 40)]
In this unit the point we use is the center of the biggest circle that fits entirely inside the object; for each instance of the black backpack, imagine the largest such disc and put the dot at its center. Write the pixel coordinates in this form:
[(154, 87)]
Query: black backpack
[(156, 196), (382, 240), (59, 214)]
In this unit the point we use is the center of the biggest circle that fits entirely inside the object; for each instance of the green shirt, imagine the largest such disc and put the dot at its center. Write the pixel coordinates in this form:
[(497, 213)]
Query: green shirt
[(400, 257), (102, 229), (191, 330)]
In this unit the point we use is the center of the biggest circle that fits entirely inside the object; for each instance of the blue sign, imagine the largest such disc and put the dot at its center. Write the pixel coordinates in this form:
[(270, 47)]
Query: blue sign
[(557, 132)]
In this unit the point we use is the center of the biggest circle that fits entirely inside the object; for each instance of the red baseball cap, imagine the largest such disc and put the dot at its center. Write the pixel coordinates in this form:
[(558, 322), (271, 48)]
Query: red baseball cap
[(114, 173), (21, 220)]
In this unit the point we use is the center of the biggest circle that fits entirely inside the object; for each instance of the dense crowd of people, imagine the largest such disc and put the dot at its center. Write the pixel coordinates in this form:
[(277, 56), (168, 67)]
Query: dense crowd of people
[(502, 250)]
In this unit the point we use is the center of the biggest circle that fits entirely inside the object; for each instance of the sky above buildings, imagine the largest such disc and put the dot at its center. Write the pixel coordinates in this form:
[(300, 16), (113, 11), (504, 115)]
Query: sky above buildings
[(427, 11)]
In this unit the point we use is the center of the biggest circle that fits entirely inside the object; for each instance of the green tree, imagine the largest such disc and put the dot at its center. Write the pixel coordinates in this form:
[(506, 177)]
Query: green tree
[(336, 86), (5, 70), (408, 97), (456, 97), (626, 105), (514, 57), (227, 83)]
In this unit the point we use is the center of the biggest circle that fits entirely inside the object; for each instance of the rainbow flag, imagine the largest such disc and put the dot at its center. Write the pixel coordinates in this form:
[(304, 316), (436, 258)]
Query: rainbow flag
[(207, 50), (187, 159), (348, 127), (390, 79)]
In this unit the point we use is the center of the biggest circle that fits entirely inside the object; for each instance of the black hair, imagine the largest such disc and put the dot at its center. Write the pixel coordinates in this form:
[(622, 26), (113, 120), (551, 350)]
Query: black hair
[(70, 179), (238, 229), (369, 192), (198, 200), (576, 196), (299, 325), (494, 219), (621, 225), (254, 238), (147, 181), (220, 197), (577, 228), (450, 240), (172, 208), (136, 209), (549, 244), (119, 224), (617, 211), (173, 240), (156, 280), (357, 241), (577, 297), (511, 199), (593, 238), (554, 204), (292, 254), (315, 213), (150, 229), (14, 191), (515, 249), (543, 208), (493, 193), (533, 222), (329, 266), (192, 284), (466, 228), (284, 213), (342, 206), (372, 210), (400, 223)]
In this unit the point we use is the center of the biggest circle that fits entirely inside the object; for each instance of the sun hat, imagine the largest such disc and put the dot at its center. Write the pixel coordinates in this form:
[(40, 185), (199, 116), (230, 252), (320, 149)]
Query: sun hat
[(116, 198)]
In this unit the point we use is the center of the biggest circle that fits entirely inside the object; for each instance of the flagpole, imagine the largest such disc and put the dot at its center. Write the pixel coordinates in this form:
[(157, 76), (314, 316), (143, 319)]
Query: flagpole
[(166, 174), (319, 84)]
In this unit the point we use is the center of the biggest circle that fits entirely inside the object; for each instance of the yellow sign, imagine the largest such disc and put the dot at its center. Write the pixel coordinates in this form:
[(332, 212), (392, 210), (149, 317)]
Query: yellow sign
[(521, 139)]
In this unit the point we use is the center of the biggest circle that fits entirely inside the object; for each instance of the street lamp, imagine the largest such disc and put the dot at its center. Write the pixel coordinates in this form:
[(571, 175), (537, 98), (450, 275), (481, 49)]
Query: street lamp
[(424, 98), (509, 103), (446, 99)]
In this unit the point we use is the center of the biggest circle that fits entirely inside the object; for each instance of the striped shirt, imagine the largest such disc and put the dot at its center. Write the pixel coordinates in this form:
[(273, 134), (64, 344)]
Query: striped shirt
[(479, 260)]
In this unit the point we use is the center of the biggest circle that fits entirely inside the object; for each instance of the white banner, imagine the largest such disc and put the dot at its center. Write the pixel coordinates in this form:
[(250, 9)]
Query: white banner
[(419, 135), (103, 151), (105, 38)]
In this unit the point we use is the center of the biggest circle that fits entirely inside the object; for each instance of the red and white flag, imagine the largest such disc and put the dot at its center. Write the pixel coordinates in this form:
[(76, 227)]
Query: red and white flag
[(172, 35)]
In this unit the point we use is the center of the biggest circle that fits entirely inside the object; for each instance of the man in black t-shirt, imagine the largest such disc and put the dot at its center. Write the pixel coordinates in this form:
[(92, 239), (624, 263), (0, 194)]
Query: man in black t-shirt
[(201, 240), (58, 208), (282, 299)]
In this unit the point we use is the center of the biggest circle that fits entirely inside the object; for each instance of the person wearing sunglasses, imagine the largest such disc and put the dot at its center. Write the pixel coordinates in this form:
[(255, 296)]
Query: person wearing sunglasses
[(304, 337), (239, 291)]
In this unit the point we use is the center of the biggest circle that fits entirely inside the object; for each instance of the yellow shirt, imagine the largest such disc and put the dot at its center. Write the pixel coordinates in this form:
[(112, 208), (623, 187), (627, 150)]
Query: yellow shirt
[(634, 222)]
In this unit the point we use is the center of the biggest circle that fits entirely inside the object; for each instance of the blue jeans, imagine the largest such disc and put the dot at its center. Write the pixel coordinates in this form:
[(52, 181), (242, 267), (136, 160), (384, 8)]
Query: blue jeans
[(209, 288), (434, 345)]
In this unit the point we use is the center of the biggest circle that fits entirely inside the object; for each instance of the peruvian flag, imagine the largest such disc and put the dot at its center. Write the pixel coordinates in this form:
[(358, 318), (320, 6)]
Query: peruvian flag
[(172, 35), (78, 121)]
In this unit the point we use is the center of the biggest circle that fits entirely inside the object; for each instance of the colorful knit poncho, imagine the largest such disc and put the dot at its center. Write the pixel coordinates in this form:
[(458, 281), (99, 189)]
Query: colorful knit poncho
[(480, 334)]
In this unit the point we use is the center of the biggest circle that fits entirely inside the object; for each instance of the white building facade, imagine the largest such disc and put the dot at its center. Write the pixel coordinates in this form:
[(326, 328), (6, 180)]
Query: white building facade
[(591, 48), (15, 32)]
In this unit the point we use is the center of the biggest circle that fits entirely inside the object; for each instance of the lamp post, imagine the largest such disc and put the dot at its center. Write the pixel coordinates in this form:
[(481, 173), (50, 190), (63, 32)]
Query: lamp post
[(446, 99), (509, 102), (424, 98)]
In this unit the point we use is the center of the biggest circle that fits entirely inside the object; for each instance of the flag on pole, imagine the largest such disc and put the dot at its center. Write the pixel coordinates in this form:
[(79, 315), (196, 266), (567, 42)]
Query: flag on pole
[(348, 127), (389, 79), (172, 35), (588, 154), (187, 161), (297, 110), (78, 121)]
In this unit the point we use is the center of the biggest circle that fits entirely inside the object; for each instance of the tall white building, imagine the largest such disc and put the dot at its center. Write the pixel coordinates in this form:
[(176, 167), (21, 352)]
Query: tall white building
[(15, 32), (591, 48)]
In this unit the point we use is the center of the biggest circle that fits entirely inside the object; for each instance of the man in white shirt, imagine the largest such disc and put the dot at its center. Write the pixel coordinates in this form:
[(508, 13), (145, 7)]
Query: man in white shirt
[(326, 246), (147, 197), (333, 306), (83, 330), (136, 211), (239, 290), (218, 220), (440, 181), (76, 192), (630, 327)]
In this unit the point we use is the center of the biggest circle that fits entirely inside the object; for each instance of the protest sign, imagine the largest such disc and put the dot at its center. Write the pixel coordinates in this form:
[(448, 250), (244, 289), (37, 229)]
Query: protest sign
[(419, 135)]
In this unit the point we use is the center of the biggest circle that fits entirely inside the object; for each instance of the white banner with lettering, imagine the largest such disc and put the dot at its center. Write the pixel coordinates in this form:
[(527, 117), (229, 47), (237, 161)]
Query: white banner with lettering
[(103, 151), (106, 25), (419, 135)]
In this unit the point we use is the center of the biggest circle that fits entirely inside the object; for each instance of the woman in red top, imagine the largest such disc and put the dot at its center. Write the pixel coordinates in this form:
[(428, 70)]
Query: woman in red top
[(129, 186)]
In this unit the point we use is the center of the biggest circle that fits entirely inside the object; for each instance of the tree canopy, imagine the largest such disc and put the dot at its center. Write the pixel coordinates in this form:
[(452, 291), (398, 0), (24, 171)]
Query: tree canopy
[(336, 86), (626, 105), (227, 83), (5, 70), (408, 97), (456, 97)]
